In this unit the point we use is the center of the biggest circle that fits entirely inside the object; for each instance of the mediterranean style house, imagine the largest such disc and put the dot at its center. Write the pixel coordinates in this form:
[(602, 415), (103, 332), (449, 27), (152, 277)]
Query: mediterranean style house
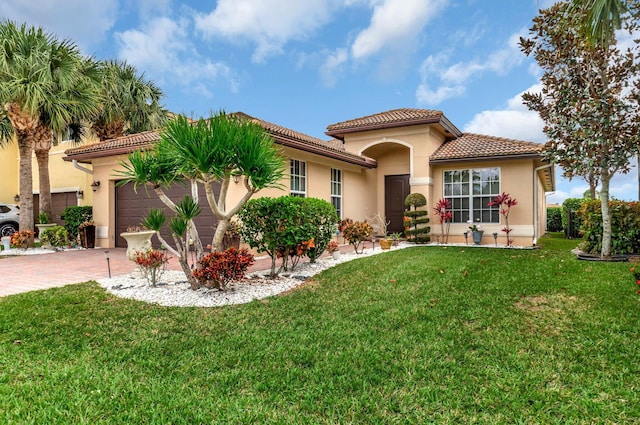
[(367, 167)]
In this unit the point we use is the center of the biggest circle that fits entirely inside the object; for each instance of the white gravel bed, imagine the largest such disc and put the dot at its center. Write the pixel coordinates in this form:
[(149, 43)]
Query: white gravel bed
[(174, 290)]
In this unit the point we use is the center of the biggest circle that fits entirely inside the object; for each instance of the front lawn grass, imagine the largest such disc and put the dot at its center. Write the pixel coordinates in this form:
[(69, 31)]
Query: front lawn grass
[(420, 335)]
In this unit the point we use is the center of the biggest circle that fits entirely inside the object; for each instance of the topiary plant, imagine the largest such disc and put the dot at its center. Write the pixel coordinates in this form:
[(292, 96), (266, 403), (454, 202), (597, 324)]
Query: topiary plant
[(415, 219)]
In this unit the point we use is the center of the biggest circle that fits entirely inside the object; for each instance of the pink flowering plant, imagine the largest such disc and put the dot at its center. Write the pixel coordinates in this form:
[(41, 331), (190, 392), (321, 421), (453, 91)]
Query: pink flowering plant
[(443, 210), (504, 202)]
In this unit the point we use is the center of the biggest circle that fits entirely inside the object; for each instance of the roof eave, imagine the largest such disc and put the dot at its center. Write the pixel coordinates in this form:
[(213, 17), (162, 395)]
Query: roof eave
[(319, 150), (484, 158), (339, 133), (86, 156)]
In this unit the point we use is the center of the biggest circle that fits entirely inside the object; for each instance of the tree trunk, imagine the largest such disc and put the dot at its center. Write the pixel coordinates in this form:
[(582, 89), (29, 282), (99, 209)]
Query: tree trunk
[(108, 131), (43, 139), (606, 217), (25, 147), (218, 236)]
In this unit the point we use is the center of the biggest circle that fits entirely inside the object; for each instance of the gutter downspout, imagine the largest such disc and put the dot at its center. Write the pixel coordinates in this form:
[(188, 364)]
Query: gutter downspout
[(535, 201), (81, 168)]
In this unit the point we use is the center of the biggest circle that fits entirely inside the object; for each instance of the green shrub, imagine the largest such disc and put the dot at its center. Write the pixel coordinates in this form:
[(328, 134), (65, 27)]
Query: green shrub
[(625, 226), (55, 236), (74, 217), (323, 219), (554, 219), (287, 227)]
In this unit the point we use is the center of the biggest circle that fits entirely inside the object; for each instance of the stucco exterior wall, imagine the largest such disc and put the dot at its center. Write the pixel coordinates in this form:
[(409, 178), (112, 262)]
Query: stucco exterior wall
[(357, 188), (64, 177), (9, 169), (403, 150), (516, 179)]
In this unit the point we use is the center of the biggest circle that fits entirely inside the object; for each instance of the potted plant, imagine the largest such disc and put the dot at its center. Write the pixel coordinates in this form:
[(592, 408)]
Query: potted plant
[(476, 232), (43, 222), (380, 226), (395, 237), (334, 250), (87, 233), (138, 240), (231, 237)]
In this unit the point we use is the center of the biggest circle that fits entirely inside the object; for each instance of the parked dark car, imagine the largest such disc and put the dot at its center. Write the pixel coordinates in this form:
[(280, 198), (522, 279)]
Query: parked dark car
[(9, 218)]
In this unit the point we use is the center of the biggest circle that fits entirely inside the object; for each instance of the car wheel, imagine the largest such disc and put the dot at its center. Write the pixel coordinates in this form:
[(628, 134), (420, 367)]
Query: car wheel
[(7, 229)]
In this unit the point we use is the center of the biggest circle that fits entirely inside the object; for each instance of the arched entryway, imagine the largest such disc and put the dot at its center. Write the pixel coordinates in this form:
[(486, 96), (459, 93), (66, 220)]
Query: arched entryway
[(393, 179)]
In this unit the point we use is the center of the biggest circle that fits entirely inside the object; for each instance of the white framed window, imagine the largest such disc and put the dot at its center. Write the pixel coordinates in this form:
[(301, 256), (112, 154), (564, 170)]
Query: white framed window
[(298, 175), (336, 190), (66, 136), (470, 192)]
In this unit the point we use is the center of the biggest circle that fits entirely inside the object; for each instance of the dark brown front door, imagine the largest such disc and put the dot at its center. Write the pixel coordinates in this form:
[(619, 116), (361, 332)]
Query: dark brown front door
[(396, 189)]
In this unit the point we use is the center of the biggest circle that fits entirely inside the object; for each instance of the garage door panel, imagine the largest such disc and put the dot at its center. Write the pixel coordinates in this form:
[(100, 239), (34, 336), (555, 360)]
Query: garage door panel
[(132, 207)]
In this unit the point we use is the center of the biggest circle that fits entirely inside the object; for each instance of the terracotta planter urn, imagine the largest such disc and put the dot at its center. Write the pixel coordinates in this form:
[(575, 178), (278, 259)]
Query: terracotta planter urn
[(386, 243), (137, 241)]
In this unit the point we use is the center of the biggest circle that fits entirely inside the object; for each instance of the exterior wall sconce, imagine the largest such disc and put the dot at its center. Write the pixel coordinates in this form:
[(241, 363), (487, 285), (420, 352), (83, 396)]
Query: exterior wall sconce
[(95, 185), (79, 194), (16, 198)]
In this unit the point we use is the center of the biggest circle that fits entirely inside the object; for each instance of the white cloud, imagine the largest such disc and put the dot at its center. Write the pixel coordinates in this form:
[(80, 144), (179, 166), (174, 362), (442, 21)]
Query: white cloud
[(516, 121), (450, 80), (425, 94), (270, 24), (499, 62), (162, 47), (85, 23), (394, 23), (333, 66)]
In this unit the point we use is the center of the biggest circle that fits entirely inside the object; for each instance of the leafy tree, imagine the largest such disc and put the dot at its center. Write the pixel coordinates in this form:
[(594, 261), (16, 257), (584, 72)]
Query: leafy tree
[(589, 100), (208, 152), (44, 85)]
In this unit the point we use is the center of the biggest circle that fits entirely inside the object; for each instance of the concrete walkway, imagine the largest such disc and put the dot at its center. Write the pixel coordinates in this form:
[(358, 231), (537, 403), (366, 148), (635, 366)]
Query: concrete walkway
[(25, 273)]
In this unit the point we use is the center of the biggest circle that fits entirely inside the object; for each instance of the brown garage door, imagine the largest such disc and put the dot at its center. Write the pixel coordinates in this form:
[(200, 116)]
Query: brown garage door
[(132, 207), (59, 203)]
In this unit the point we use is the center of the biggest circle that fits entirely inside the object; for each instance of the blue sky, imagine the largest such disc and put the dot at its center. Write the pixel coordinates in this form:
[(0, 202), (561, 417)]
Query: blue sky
[(305, 64)]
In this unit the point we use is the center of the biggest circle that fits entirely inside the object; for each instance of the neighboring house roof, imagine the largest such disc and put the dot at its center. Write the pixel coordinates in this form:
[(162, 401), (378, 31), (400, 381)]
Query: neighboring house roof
[(119, 146), (471, 146), (394, 118), (283, 136)]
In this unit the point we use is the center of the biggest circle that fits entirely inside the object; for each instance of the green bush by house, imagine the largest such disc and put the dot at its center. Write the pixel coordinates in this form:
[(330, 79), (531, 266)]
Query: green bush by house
[(625, 226)]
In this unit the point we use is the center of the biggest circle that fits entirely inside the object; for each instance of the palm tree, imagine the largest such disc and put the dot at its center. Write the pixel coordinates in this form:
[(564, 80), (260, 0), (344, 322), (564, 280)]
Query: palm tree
[(130, 103), (45, 84), (604, 18)]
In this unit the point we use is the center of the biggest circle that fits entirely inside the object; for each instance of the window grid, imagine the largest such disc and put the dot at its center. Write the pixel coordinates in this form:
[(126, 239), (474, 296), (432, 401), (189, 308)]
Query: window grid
[(336, 190), (298, 173), (470, 192)]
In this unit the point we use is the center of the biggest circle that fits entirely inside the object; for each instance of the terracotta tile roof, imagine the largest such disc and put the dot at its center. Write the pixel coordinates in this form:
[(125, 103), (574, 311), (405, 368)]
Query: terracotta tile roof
[(477, 146), (333, 148), (282, 135), (393, 118), (118, 146)]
